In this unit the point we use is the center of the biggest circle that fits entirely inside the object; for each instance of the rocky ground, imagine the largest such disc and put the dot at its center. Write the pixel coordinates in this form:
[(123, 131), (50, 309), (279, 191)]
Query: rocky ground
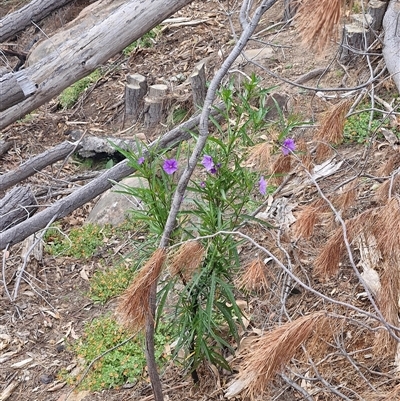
[(52, 307)]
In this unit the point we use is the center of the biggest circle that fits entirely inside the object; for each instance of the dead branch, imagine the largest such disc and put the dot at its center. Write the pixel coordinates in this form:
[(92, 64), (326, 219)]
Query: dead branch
[(36, 164), (89, 191)]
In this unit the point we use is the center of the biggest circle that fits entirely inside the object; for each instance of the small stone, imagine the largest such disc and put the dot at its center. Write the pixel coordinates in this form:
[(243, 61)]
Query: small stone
[(46, 379)]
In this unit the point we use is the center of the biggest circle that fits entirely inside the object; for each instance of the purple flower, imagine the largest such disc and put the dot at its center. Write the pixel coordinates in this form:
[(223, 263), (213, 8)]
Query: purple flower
[(140, 160), (202, 184), (170, 166), (288, 146), (262, 186), (208, 163)]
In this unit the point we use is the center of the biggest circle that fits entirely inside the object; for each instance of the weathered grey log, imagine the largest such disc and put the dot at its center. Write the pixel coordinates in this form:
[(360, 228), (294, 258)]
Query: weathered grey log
[(154, 108), (100, 184), (17, 205), (377, 9), (198, 82), (391, 41), (33, 11), (36, 164), (5, 146), (135, 91), (14, 87), (86, 48), (91, 146)]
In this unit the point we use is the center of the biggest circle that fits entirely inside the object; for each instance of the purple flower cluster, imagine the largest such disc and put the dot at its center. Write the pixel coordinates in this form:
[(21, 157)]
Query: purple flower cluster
[(288, 146), (262, 186), (209, 165)]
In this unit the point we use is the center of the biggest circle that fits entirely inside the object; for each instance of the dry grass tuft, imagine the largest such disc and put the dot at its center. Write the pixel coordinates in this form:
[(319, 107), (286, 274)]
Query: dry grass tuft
[(280, 168), (332, 125), (386, 229), (347, 198), (326, 264), (323, 151), (317, 21), (304, 154), (388, 189), (388, 299), (254, 277), (308, 218), (187, 260), (269, 353), (133, 308), (260, 155)]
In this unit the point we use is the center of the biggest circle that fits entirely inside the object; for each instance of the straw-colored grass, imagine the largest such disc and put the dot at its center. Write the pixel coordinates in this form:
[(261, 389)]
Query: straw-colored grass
[(317, 21), (134, 306), (186, 260)]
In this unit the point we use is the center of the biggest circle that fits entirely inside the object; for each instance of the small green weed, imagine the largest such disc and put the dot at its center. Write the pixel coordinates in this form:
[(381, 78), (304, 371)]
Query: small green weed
[(356, 127), (125, 364), (81, 242), (147, 40), (70, 95), (109, 283)]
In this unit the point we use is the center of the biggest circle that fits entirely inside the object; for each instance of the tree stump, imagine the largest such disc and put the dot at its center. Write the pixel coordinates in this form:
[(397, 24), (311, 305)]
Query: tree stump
[(135, 91), (357, 37), (198, 82), (18, 205), (154, 111), (377, 9)]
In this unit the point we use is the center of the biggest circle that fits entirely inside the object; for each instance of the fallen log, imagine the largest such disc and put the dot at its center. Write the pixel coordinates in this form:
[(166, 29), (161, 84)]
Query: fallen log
[(64, 206), (36, 164), (5, 146), (391, 41), (33, 11), (84, 50), (17, 205)]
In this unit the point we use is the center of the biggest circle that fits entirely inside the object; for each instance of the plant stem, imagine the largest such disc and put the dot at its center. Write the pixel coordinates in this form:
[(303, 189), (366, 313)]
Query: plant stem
[(184, 180)]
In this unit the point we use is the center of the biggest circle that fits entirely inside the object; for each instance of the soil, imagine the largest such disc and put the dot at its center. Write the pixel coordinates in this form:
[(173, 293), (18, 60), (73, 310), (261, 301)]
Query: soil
[(52, 306)]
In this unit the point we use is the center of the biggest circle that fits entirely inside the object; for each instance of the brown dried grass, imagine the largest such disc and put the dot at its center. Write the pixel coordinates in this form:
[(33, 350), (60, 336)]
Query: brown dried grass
[(254, 277), (134, 306), (332, 125), (308, 218), (186, 260), (317, 21), (326, 264), (304, 154), (260, 155), (280, 168), (386, 228), (269, 353), (388, 299), (389, 187), (347, 197)]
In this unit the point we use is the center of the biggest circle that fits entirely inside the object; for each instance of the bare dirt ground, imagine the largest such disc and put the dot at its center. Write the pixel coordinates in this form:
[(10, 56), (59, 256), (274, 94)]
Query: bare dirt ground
[(53, 307)]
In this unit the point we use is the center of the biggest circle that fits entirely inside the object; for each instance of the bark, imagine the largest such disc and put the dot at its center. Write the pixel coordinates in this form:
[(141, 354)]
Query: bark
[(84, 50), (36, 164), (5, 146), (65, 206), (391, 41), (17, 205), (33, 11)]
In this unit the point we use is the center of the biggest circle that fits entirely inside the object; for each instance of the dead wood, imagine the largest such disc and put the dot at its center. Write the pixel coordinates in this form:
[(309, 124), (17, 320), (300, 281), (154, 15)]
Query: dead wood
[(36, 164), (96, 187), (391, 41), (33, 11), (18, 205), (5, 146), (85, 48)]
